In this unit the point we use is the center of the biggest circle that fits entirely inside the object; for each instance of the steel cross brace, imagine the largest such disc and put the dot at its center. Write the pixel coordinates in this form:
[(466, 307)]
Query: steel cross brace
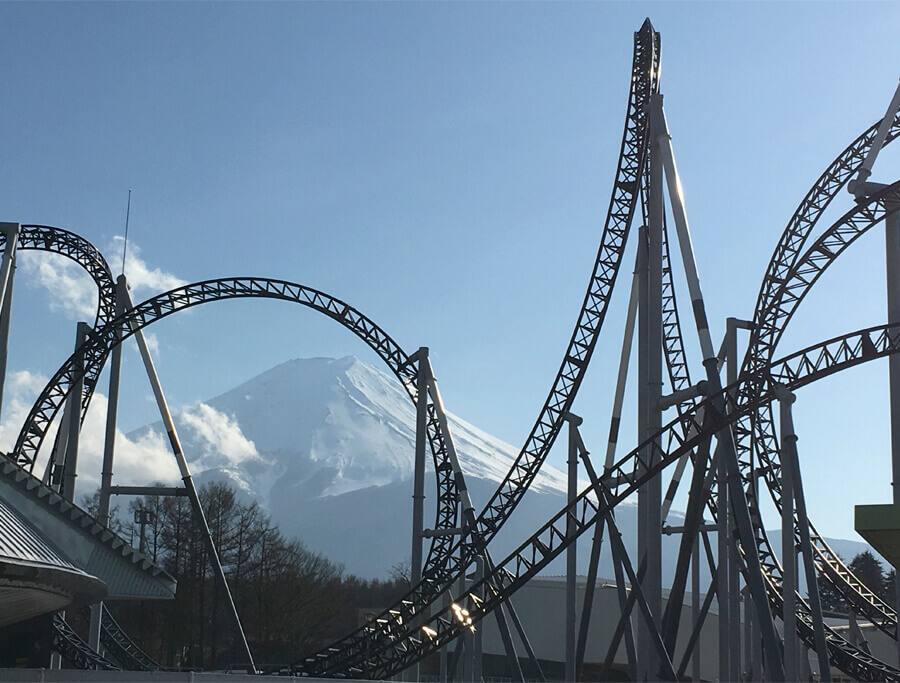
[(427, 381), (667, 671), (734, 482)]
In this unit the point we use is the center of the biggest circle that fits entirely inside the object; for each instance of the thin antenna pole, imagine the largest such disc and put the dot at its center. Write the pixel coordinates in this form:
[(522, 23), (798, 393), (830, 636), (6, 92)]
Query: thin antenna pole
[(127, 216)]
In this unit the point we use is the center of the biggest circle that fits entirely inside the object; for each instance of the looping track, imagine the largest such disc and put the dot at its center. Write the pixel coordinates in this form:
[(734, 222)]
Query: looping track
[(100, 343), (395, 639)]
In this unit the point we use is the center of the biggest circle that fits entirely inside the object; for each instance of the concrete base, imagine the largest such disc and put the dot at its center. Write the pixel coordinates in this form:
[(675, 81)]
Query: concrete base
[(880, 526)]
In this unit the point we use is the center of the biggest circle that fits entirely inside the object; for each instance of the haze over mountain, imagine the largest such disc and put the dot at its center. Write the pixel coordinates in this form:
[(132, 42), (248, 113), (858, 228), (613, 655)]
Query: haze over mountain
[(326, 446)]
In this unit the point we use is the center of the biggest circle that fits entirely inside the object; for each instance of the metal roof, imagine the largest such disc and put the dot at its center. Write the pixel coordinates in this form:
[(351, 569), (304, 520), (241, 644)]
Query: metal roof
[(73, 516), (22, 543)]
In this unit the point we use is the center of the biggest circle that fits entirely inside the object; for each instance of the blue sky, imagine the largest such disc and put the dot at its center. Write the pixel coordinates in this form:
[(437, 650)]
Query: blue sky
[(446, 169)]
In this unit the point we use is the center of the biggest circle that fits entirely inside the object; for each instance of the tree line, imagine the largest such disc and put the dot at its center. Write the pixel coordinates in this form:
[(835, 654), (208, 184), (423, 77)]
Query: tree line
[(291, 600)]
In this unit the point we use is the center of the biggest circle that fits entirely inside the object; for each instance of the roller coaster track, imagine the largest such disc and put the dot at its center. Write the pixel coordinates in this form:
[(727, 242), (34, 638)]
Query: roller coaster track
[(86, 255), (784, 286), (101, 342), (122, 648), (342, 655), (390, 643), (72, 647), (74, 650), (401, 645)]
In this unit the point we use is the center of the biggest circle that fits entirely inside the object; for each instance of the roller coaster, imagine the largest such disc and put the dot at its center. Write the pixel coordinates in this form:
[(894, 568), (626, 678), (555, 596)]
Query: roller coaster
[(727, 432)]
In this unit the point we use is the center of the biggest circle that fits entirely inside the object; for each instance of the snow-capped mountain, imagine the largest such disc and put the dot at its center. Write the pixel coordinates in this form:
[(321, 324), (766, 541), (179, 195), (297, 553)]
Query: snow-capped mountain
[(326, 447)]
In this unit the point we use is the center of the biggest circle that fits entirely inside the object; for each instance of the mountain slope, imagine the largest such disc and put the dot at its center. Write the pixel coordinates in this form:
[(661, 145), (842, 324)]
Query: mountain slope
[(326, 446)]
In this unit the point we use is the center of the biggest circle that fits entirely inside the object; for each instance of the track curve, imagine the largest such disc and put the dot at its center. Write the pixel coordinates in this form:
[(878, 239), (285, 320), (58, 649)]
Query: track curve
[(66, 243), (398, 646), (346, 653), (789, 278), (100, 343)]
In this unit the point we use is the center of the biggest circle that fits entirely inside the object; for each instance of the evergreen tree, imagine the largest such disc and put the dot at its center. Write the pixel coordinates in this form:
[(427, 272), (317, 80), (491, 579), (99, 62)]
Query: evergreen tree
[(868, 570)]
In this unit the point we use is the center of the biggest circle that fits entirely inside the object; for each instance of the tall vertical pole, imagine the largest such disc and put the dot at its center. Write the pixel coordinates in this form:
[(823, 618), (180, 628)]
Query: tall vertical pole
[(419, 471), (724, 436), (109, 445), (734, 576), (70, 470), (112, 409), (7, 273), (723, 513), (181, 460), (722, 569), (478, 636), (649, 414), (571, 566), (789, 454), (788, 558), (695, 605), (892, 262), (418, 527)]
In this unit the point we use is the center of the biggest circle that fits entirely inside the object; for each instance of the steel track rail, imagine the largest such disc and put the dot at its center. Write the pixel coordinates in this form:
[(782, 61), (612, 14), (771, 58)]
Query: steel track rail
[(73, 649), (101, 342), (59, 241), (125, 651), (626, 188), (400, 645), (759, 426), (766, 332)]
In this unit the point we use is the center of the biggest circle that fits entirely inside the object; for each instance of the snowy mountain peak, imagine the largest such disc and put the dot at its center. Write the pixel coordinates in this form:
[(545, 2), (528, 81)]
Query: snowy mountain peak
[(324, 427)]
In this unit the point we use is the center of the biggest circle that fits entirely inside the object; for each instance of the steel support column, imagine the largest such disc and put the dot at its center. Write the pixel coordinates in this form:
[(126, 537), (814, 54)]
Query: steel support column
[(790, 456), (419, 471), (892, 266), (418, 525), (733, 592), (7, 274), (571, 556), (181, 460), (724, 436), (70, 468), (112, 409), (649, 414), (788, 560)]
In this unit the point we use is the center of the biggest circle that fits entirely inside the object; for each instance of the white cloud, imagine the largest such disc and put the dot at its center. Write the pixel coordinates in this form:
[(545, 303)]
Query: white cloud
[(71, 289), (73, 292), (219, 436), (142, 277), (217, 440), (143, 461), (21, 390)]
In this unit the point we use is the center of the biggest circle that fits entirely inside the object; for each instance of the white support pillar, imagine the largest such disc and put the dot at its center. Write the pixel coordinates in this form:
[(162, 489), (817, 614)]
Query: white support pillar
[(112, 409), (418, 525), (695, 606), (734, 574), (419, 471), (241, 643), (109, 445), (478, 635)]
